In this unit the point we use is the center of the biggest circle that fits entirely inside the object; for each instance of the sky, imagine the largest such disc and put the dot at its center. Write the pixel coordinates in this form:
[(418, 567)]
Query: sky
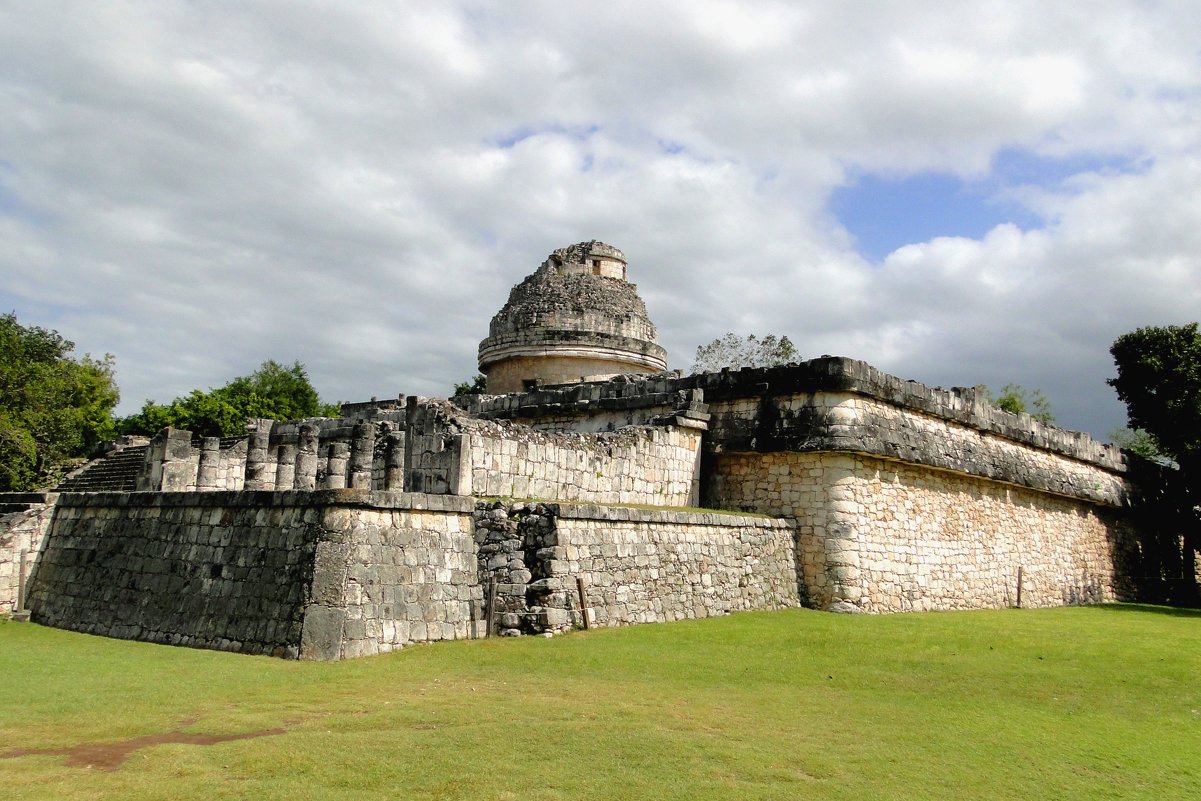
[(957, 193)]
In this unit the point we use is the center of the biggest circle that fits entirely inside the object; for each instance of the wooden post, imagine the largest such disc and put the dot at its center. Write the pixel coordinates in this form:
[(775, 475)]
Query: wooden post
[(579, 585), (1019, 586), (20, 606), (490, 609)]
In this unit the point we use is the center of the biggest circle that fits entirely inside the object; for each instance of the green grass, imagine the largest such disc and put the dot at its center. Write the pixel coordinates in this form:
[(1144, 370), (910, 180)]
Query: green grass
[(1085, 703)]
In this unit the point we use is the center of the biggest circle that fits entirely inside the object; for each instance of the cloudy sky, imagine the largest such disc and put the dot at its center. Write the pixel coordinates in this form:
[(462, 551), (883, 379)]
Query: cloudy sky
[(958, 193)]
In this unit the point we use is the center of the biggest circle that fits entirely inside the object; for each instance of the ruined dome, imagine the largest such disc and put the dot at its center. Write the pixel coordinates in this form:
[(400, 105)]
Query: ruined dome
[(575, 318)]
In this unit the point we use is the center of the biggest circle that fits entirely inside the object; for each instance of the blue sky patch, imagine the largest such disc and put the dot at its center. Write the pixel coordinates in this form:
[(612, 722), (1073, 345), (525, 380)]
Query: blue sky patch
[(885, 213), (517, 135)]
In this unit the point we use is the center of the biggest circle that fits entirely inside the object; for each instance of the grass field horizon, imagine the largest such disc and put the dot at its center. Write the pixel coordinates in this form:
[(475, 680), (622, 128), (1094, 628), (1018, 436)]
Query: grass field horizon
[(1092, 702)]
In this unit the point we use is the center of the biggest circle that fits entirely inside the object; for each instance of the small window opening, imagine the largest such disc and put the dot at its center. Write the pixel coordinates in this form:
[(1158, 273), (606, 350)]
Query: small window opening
[(529, 384)]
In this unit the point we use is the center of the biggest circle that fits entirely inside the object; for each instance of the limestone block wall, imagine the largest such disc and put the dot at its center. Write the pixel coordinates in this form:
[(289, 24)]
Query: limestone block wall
[(321, 575), (645, 566), (394, 574), (882, 536), (842, 421), (637, 565), (639, 465), (21, 534), (449, 452)]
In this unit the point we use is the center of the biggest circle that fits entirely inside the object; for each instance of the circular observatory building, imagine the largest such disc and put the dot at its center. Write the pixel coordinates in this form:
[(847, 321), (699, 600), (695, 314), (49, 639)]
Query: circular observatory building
[(576, 318)]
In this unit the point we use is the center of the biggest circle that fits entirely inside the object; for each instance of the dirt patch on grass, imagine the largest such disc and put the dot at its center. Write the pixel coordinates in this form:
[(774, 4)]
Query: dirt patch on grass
[(111, 755)]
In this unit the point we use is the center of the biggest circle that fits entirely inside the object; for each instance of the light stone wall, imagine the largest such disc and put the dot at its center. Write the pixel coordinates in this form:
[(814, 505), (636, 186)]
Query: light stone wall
[(643, 465), (881, 536), (21, 536), (857, 422), (645, 566), (396, 576)]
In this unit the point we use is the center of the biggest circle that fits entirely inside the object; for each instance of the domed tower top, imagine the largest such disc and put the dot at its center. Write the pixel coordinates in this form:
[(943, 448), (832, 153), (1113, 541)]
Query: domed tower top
[(575, 318)]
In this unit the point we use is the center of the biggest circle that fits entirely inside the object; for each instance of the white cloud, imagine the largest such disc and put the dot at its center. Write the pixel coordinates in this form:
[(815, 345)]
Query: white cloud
[(197, 187)]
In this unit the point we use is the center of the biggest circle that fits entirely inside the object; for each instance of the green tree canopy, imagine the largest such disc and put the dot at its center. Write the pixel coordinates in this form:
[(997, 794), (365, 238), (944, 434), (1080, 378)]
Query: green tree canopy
[(1017, 399), (53, 407), (273, 391), (1139, 442), (736, 351), (472, 387), (1159, 380)]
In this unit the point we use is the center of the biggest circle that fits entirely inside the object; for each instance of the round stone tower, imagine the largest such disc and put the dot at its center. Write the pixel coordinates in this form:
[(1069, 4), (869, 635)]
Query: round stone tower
[(576, 318)]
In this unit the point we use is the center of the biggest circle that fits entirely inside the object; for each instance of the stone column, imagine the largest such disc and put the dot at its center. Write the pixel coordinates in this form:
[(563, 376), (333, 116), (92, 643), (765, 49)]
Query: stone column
[(210, 464), (306, 459), (362, 454), (285, 467), (179, 471), (259, 469), (335, 471), (394, 461)]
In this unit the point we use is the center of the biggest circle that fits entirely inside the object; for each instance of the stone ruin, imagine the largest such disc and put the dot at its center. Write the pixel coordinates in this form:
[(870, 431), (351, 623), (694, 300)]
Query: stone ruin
[(589, 487)]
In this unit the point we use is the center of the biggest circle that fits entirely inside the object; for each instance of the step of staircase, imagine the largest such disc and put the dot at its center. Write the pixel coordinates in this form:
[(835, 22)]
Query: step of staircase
[(116, 472)]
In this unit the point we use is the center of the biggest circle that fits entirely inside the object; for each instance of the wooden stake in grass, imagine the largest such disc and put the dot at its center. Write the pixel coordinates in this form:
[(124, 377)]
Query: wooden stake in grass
[(579, 585), (21, 581), (490, 611), (1019, 586)]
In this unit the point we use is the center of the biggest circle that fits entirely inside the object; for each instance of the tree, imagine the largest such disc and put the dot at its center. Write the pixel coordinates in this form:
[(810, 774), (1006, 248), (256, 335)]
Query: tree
[(473, 387), (1138, 442), (277, 392), (735, 351), (1017, 399), (273, 391), (53, 408), (1159, 380)]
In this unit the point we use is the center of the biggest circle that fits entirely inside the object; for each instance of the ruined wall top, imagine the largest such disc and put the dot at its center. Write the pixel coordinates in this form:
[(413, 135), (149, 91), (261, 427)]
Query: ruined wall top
[(633, 396), (589, 258)]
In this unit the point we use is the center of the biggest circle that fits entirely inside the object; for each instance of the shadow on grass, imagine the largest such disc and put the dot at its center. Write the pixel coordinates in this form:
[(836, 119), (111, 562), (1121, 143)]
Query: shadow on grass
[(1173, 611)]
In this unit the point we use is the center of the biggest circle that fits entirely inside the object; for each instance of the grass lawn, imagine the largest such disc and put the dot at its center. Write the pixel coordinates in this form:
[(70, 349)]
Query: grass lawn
[(1083, 703)]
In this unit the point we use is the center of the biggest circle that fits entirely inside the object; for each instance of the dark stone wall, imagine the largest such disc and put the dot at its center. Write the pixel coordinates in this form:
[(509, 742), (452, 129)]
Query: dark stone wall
[(319, 575), (223, 570)]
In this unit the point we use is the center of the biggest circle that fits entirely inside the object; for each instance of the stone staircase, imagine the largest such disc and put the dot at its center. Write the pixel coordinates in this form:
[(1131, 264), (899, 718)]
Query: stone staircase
[(116, 472)]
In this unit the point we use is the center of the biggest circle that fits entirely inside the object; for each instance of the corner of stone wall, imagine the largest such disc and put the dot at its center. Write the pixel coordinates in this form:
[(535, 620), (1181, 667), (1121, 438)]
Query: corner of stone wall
[(22, 532), (322, 633)]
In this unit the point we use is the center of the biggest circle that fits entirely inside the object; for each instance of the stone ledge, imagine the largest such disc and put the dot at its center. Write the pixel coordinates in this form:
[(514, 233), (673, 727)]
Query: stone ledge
[(379, 499), (592, 511)]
